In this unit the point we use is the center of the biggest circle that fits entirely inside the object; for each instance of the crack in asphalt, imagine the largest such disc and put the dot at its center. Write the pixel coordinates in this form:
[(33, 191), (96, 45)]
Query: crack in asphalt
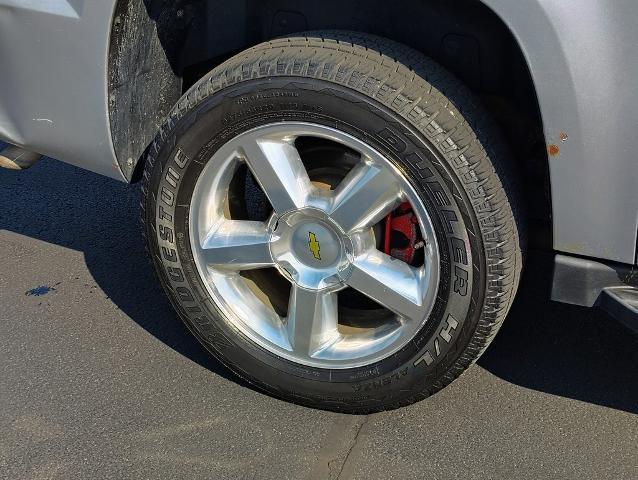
[(352, 445), (340, 439)]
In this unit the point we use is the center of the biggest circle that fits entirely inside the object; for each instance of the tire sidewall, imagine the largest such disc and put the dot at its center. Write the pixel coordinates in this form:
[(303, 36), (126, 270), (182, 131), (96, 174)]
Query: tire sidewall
[(202, 129)]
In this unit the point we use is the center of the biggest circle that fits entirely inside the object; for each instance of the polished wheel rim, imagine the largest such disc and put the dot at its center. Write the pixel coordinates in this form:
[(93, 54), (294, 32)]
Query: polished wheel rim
[(323, 241)]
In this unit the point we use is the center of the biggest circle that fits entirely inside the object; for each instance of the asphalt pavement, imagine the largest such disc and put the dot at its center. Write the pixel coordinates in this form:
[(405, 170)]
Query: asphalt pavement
[(99, 379)]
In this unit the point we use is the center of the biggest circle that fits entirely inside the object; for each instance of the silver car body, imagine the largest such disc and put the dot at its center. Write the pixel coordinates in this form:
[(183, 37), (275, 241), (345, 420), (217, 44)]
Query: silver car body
[(54, 100)]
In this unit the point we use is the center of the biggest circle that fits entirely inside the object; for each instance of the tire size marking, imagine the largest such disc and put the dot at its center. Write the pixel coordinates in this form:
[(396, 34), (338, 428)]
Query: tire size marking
[(380, 382)]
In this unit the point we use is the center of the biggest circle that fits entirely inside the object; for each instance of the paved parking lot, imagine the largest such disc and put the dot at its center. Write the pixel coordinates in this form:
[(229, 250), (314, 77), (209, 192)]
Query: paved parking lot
[(98, 379)]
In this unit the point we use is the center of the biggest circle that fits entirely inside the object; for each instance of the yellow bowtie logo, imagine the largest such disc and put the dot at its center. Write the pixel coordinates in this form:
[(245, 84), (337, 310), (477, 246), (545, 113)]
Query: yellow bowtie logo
[(313, 244)]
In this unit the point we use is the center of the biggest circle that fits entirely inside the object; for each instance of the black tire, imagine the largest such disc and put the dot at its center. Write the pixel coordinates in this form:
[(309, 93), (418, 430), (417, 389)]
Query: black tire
[(418, 115)]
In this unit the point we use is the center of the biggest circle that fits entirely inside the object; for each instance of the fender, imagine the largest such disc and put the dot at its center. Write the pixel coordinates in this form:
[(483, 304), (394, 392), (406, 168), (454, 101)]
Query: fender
[(581, 60)]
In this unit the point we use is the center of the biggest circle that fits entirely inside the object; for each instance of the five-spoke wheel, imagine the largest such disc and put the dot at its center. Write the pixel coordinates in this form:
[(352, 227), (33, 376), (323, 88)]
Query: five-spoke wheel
[(322, 240)]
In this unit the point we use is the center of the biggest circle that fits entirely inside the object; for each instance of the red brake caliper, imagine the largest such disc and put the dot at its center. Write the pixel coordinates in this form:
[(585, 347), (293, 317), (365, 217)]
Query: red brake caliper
[(404, 222)]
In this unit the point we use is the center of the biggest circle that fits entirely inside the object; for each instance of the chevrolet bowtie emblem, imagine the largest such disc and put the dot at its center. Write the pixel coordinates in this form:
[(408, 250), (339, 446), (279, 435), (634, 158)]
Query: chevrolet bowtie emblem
[(313, 244)]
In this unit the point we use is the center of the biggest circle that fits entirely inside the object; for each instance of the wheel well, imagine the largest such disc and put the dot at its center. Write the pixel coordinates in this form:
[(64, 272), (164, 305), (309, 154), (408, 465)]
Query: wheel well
[(159, 48)]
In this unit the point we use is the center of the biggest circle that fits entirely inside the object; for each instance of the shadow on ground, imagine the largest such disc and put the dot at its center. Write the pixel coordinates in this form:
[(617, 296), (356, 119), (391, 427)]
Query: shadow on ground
[(97, 216), (570, 351), (559, 349)]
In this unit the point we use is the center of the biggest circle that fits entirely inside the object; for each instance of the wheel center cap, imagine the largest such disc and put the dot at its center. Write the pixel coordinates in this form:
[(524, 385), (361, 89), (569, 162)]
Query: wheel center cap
[(316, 245), (310, 249)]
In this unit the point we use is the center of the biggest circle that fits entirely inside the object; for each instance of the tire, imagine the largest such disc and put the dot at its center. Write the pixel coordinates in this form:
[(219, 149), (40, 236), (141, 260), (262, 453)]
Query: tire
[(419, 117)]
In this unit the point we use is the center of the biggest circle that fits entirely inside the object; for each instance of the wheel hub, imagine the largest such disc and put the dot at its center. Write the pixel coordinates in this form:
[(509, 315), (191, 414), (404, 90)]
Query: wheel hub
[(310, 249)]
